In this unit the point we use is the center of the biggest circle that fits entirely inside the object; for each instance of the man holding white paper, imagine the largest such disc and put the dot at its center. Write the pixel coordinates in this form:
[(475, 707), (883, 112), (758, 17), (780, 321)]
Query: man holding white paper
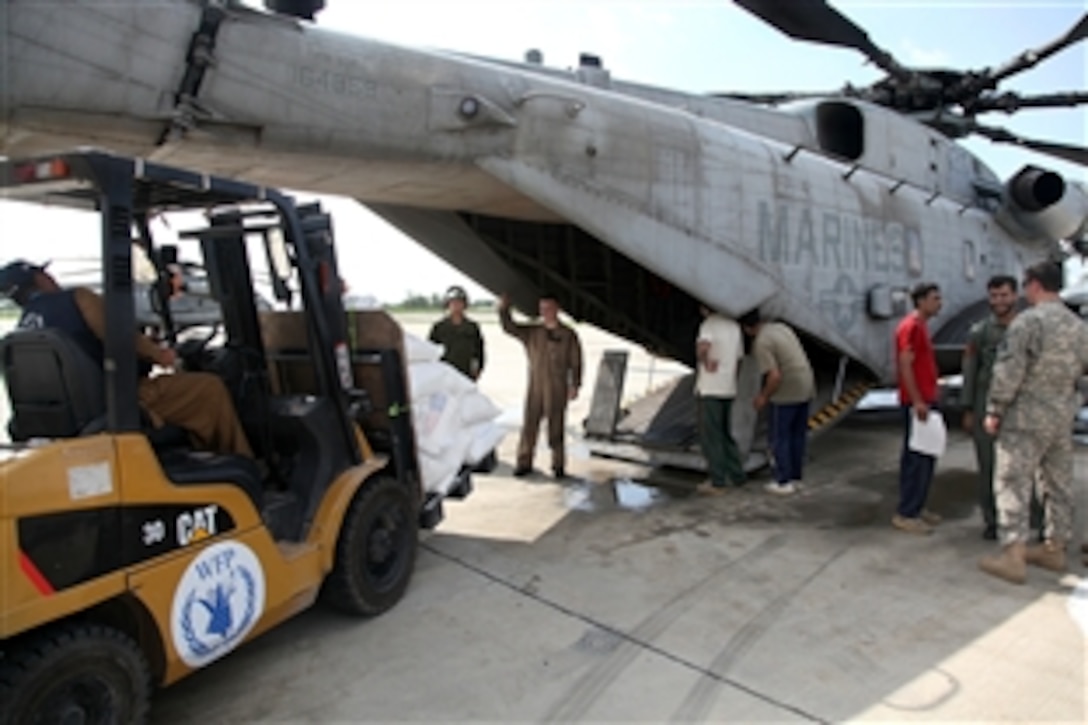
[(923, 435)]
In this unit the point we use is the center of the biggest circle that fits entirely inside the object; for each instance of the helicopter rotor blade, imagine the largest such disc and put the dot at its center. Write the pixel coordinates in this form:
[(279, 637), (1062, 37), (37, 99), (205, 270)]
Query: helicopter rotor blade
[(1029, 58), (815, 20), (1066, 152), (1012, 102), (774, 99)]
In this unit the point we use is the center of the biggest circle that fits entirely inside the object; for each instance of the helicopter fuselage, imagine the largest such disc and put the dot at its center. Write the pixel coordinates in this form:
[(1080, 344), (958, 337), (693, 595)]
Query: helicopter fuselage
[(633, 203)]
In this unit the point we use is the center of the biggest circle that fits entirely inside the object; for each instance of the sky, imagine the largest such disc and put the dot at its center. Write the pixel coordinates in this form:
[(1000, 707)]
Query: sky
[(696, 46)]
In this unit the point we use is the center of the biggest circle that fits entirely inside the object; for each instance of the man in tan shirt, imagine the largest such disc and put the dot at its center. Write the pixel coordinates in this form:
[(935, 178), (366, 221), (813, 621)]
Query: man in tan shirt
[(555, 375), (197, 402), (789, 386)]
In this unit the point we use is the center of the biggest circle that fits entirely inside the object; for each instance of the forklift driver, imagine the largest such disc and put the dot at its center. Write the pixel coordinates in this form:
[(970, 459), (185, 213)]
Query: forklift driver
[(197, 402)]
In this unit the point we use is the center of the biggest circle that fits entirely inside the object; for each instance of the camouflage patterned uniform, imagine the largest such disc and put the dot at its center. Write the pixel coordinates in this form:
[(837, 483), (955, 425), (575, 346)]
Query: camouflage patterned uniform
[(1033, 392), (979, 356)]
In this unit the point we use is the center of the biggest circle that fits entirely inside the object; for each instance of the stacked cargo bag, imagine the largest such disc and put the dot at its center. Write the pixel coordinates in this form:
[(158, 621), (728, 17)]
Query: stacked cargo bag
[(455, 423), (480, 417)]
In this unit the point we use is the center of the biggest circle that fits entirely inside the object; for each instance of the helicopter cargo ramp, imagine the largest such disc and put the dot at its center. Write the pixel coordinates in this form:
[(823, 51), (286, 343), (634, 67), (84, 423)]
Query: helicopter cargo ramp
[(661, 428)]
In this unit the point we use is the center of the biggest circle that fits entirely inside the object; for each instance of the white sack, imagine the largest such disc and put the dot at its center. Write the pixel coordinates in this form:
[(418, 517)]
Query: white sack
[(512, 418), (454, 422), (426, 378), (435, 419), (458, 448), (420, 350), (439, 471), (436, 474), (477, 408), (485, 438)]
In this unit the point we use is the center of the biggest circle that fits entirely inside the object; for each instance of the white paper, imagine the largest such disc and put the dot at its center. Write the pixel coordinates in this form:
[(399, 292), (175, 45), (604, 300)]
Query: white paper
[(928, 436)]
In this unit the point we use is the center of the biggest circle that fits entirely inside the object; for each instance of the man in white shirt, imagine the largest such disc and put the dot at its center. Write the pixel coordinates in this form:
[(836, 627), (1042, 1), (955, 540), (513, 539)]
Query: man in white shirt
[(718, 352)]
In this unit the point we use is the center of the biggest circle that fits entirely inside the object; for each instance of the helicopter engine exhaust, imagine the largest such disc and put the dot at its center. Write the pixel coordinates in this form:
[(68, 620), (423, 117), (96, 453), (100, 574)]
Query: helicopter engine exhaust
[(1041, 204)]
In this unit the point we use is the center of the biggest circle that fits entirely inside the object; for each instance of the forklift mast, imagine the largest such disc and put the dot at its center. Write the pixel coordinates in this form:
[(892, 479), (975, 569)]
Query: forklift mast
[(223, 244)]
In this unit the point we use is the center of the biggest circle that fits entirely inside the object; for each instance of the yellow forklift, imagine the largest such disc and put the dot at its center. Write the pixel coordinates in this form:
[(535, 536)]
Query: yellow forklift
[(128, 558)]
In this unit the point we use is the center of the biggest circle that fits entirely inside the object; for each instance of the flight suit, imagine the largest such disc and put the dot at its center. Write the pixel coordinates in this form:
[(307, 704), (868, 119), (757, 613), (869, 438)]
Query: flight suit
[(1033, 391), (463, 343), (555, 367), (197, 402), (983, 341)]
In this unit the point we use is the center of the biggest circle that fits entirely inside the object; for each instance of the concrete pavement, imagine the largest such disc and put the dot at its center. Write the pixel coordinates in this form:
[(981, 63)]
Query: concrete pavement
[(592, 601), (602, 599)]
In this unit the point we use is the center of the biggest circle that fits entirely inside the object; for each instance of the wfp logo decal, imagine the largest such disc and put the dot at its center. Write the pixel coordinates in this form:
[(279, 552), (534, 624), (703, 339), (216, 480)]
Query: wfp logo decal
[(218, 600)]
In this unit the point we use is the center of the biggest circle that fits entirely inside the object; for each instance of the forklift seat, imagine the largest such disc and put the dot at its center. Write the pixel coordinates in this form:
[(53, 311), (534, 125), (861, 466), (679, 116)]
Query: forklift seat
[(55, 387), (56, 391)]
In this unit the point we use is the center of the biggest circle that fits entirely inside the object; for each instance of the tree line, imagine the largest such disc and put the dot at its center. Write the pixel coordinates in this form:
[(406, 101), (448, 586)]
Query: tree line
[(433, 301)]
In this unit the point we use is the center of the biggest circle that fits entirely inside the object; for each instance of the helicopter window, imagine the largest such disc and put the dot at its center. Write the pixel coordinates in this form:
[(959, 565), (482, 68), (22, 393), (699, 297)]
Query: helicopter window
[(840, 129), (968, 259)]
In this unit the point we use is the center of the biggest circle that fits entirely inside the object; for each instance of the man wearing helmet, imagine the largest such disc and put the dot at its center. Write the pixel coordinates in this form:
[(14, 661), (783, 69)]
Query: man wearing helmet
[(197, 402), (460, 336)]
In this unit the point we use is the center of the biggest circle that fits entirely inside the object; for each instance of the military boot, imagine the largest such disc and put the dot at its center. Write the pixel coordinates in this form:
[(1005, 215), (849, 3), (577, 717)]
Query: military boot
[(1048, 555), (1010, 565)]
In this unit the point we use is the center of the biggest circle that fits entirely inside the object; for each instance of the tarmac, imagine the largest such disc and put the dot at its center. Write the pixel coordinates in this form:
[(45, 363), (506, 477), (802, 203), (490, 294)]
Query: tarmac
[(622, 596), (603, 599)]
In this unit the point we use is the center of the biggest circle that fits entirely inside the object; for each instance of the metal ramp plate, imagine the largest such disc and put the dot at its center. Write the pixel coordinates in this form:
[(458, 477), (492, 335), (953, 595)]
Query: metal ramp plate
[(604, 409)]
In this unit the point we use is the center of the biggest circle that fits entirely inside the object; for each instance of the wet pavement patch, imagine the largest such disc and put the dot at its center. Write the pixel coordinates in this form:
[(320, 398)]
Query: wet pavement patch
[(954, 494), (845, 509), (620, 493)]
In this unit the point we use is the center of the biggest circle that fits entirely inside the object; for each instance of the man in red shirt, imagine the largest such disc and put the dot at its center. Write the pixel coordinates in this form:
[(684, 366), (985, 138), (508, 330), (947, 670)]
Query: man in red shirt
[(917, 368)]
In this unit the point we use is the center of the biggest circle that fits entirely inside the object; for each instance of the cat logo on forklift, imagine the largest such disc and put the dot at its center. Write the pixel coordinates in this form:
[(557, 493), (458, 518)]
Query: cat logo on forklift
[(196, 525)]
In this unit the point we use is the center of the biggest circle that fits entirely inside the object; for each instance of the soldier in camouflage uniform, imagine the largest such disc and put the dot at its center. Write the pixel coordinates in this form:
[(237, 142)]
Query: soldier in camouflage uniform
[(1032, 402), (978, 363)]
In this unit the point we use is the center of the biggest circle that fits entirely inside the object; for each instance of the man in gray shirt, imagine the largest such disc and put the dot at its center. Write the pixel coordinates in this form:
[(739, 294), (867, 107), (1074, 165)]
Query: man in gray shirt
[(789, 386)]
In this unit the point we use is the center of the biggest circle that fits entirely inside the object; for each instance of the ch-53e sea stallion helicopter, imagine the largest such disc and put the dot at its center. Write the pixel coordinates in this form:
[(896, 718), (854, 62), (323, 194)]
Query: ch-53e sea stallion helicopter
[(631, 203)]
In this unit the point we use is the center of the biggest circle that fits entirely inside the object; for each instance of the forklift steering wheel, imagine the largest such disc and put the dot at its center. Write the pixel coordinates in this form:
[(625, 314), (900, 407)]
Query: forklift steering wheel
[(190, 352)]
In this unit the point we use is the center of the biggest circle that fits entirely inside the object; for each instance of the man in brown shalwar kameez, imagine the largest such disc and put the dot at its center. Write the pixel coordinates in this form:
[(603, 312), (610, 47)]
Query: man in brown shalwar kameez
[(197, 402), (555, 375)]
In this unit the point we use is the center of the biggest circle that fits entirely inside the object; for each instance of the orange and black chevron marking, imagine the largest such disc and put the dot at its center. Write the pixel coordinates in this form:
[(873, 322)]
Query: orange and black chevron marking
[(839, 407)]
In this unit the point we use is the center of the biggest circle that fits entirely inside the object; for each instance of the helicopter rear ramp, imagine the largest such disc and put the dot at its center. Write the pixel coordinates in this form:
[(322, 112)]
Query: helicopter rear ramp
[(661, 427)]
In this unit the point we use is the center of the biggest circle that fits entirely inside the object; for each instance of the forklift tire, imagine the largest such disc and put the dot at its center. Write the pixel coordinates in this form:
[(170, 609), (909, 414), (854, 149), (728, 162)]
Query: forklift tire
[(376, 551), (81, 673)]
